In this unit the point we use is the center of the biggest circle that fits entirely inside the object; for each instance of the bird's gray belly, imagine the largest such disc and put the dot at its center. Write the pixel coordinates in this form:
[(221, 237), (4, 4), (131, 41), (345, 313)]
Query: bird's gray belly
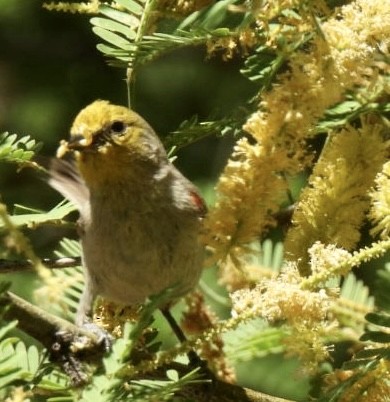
[(129, 263)]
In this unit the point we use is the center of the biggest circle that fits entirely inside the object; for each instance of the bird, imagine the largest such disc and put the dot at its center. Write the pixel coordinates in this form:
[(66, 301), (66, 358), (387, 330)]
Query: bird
[(140, 218)]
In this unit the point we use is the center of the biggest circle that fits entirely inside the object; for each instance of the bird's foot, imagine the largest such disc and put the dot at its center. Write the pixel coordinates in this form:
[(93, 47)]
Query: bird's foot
[(104, 339)]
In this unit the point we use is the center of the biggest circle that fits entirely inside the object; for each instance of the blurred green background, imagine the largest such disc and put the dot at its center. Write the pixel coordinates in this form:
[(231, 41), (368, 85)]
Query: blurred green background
[(50, 69)]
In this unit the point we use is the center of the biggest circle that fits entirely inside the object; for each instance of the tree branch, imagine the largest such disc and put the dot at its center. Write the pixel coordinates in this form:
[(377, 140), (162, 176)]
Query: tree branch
[(10, 266), (45, 328), (38, 323), (224, 392)]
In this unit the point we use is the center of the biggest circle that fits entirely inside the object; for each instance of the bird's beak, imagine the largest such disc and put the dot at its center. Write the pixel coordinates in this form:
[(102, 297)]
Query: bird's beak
[(76, 143)]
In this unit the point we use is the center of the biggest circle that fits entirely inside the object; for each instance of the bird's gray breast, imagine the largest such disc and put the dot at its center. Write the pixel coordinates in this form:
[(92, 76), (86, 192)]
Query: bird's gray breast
[(138, 248)]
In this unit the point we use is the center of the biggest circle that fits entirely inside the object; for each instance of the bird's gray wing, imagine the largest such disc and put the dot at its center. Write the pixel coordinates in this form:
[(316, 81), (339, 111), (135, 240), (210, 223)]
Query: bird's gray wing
[(65, 178)]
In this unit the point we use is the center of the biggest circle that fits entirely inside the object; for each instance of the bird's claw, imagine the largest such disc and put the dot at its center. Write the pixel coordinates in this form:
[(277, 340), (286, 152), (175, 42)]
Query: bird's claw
[(104, 339)]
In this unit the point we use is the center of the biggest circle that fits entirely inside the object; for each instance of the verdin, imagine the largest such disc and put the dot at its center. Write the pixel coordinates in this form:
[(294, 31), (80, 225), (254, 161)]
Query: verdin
[(139, 216)]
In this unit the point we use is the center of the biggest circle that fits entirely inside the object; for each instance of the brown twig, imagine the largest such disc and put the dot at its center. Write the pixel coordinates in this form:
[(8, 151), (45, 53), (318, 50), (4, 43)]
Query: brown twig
[(10, 266), (38, 323), (46, 328)]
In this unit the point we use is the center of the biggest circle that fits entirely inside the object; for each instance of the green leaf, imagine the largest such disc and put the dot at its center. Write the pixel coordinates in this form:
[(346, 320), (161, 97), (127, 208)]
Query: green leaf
[(343, 108), (17, 150), (156, 389), (253, 340), (68, 248), (13, 362), (210, 17), (112, 38), (345, 112), (193, 130), (356, 291), (376, 336), (20, 363), (55, 381), (125, 31), (113, 26), (9, 375), (53, 216), (34, 359), (380, 319), (73, 275), (7, 327), (172, 375), (22, 209), (377, 352), (272, 255), (262, 66), (153, 46), (119, 29), (119, 16), (151, 305), (359, 364), (267, 255), (132, 6)]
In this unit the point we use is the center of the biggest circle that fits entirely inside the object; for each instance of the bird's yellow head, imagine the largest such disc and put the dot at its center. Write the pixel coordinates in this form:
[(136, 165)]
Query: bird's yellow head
[(109, 141)]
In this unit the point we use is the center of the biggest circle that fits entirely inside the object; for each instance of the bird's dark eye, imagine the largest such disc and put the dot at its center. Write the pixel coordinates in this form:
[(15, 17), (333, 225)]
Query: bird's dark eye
[(118, 127)]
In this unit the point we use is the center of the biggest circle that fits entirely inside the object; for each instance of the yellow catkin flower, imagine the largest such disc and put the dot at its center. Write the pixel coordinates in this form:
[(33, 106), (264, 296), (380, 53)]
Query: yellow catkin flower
[(287, 26), (181, 7), (305, 312), (319, 78), (249, 190), (344, 265), (199, 318), (54, 288), (340, 57), (112, 316), (380, 199), (16, 240), (18, 394), (333, 205), (282, 298), (324, 257), (90, 7), (308, 346), (373, 386)]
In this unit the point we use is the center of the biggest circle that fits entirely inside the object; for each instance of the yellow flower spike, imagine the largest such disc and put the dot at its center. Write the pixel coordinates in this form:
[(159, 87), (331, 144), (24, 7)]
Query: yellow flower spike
[(248, 191), (90, 7), (345, 263), (305, 313), (380, 199), (372, 385), (339, 58), (17, 240), (333, 205)]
